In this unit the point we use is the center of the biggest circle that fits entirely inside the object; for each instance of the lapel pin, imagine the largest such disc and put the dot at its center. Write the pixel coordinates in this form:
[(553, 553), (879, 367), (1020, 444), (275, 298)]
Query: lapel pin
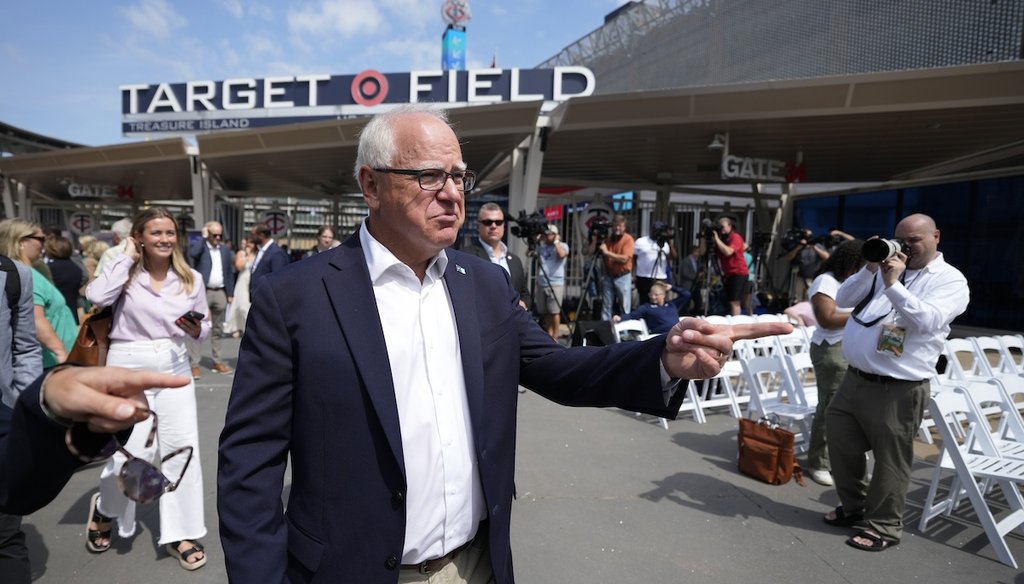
[(460, 269)]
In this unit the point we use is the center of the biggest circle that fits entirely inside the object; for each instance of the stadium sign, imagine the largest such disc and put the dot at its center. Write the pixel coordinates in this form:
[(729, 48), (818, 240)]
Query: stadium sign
[(205, 106)]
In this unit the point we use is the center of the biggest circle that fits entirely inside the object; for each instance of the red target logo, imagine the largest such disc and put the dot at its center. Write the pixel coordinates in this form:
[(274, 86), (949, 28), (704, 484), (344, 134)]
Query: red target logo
[(369, 88)]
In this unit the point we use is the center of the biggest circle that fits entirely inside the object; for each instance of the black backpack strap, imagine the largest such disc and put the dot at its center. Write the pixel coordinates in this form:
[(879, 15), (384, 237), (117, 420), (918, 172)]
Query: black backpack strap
[(12, 287)]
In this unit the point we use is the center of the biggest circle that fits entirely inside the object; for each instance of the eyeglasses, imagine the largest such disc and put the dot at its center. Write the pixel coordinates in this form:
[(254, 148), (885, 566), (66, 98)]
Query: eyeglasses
[(39, 238), (434, 179), (139, 480), (216, 235), (489, 222)]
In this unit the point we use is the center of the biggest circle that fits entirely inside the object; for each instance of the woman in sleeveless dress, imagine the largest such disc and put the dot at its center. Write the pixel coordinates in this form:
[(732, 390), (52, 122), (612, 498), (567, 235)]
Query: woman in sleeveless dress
[(234, 321)]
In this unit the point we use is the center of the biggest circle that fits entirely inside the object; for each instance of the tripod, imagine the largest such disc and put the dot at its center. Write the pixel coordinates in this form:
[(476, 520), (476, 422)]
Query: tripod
[(591, 264)]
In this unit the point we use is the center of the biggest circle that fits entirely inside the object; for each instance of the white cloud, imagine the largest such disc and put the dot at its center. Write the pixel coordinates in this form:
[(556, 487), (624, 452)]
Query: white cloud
[(154, 17), (260, 46), (330, 17), (234, 7), (416, 53), (261, 11)]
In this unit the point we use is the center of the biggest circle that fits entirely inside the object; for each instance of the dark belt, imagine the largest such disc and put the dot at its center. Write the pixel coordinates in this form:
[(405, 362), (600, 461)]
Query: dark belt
[(881, 378), (208, 288), (428, 567)]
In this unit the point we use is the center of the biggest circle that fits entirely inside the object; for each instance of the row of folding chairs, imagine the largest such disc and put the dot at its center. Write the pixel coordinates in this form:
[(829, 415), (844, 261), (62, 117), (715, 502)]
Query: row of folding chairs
[(982, 461), (980, 360)]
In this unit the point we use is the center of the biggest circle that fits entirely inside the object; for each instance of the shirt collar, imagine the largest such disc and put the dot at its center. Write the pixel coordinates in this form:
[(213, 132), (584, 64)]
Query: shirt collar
[(380, 260), (487, 246)]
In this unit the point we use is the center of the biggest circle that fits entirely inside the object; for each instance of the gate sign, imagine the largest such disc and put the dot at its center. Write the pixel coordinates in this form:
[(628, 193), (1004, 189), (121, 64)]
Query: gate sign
[(81, 223), (277, 221)]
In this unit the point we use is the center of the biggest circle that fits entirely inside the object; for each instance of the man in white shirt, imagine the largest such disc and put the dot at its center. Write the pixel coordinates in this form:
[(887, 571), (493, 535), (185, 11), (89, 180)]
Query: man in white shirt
[(904, 305), (385, 375), (119, 233), (654, 254), (215, 262)]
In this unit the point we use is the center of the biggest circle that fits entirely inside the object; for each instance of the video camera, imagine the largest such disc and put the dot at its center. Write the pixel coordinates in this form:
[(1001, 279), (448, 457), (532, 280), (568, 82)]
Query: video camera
[(599, 229), (792, 238), (708, 229), (529, 227), (663, 233), (879, 250)]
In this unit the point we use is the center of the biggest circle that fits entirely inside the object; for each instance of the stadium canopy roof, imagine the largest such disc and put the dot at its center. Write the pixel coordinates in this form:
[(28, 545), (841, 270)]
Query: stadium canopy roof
[(884, 127)]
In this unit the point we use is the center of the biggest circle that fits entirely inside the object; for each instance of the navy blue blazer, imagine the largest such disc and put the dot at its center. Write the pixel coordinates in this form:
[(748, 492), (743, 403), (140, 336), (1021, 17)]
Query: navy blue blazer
[(201, 259), (272, 261), (313, 381), (35, 464)]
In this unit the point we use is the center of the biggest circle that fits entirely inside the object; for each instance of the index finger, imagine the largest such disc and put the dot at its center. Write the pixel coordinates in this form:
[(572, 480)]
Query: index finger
[(759, 329)]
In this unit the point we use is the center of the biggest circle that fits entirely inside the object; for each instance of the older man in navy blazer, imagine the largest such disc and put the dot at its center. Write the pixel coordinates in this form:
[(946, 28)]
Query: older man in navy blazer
[(216, 263), (386, 371)]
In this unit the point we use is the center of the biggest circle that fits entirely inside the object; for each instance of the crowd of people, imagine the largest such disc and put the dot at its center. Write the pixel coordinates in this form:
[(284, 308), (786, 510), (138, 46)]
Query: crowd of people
[(384, 371)]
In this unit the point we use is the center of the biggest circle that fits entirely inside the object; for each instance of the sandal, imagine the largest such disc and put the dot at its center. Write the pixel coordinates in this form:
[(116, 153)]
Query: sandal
[(197, 548), (877, 543), (92, 536), (841, 519)]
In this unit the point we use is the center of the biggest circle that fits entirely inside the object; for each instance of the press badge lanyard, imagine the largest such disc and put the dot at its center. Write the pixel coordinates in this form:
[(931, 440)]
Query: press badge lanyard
[(871, 294)]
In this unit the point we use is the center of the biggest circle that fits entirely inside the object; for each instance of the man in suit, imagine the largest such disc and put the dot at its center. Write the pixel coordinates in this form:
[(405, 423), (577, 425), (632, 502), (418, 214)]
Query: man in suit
[(490, 226), (269, 256), (21, 361), (35, 462), (215, 262), (386, 372)]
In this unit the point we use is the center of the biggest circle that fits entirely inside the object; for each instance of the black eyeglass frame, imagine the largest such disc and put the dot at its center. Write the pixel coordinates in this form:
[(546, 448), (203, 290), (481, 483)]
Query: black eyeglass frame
[(465, 183), (135, 494), (489, 222)]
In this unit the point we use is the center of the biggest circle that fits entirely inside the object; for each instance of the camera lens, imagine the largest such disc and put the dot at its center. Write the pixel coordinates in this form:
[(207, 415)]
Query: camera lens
[(878, 250)]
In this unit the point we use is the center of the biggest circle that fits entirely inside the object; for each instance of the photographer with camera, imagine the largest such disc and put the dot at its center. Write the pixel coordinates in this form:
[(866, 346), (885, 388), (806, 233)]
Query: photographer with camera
[(904, 300), (805, 256), (550, 289), (617, 251), (729, 247), (654, 253)]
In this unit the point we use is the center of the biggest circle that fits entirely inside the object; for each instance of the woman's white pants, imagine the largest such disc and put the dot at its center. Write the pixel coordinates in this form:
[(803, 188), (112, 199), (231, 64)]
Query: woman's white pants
[(181, 510)]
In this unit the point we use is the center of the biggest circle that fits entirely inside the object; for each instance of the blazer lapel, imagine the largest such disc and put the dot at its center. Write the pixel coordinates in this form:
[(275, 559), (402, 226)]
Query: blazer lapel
[(460, 281), (351, 296)]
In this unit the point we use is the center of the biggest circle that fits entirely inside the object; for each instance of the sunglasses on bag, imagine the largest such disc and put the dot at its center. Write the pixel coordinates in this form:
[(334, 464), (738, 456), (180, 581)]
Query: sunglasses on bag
[(139, 480)]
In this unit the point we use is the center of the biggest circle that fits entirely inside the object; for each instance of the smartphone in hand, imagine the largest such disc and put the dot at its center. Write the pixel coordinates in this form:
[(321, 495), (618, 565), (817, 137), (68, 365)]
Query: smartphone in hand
[(195, 317)]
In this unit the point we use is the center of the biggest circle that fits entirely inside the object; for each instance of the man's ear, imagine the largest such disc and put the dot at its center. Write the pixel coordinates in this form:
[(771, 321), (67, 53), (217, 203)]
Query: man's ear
[(370, 187)]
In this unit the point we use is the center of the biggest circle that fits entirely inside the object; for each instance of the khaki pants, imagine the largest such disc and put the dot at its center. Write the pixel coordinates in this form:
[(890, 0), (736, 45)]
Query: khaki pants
[(829, 368), (472, 566), (217, 301), (883, 418)]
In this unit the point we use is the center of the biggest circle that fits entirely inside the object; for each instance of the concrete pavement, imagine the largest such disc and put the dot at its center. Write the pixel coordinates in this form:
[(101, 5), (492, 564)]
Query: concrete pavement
[(603, 497)]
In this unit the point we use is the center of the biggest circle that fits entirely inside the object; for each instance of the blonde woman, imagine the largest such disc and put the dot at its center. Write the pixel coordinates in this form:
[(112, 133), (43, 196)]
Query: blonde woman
[(234, 322), (152, 290), (56, 329)]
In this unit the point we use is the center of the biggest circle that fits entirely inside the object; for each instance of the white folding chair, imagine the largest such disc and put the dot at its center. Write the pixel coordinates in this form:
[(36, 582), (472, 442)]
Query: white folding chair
[(801, 374), (1013, 345), (632, 330), (991, 348), (792, 343), (771, 392), (949, 409)]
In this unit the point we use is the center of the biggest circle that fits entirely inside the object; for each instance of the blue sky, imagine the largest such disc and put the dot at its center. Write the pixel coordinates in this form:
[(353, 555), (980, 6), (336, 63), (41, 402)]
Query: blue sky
[(62, 61)]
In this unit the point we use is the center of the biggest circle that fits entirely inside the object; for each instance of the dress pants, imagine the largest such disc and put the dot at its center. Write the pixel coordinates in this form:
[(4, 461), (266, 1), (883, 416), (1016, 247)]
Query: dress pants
[(217, 301), (829, 368), (883, 418), (616, 286), (14, 564), (181, 510)]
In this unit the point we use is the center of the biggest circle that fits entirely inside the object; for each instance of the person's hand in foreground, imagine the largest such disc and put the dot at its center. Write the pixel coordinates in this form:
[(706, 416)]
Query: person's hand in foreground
[(697, 349), (107, 398)]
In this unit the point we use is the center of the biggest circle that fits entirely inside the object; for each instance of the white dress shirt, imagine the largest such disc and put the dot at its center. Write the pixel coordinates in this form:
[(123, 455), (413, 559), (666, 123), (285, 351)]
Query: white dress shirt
[(827, 285), (444, 502), (925, 306), (217, 267), (502, 258)]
